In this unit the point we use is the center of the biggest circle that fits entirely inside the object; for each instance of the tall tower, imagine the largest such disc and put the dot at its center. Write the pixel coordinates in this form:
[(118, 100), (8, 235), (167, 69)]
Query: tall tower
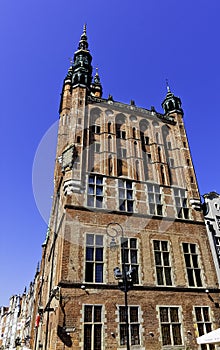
[(125, 200)]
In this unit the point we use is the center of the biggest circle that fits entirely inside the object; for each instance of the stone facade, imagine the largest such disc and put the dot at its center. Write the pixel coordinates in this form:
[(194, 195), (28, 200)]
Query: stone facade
[(124, 185)]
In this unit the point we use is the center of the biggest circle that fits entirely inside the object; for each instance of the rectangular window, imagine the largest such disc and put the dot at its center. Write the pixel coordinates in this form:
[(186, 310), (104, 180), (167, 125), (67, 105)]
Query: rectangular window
[(204, 324), (94, 258), (129, 257), (192, 264), (154, 199), (181, 203), (162, 263), (95, 191), (171, 162), (121, 134), (126, 201), (170, 326), (93, 327), (133, 325)]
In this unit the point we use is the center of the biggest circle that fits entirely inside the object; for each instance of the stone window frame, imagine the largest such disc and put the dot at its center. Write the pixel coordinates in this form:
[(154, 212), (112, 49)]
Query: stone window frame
[(171, 323), (163, 270), (132, 325), (154, 199), (126, 195), (92, 325), (203, 324), (95, 191), (132, 256), (192, 263), (181, 203), (94, 259)]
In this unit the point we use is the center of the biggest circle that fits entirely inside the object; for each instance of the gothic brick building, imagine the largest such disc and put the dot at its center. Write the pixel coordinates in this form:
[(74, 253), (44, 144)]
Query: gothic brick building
[(125, 196)]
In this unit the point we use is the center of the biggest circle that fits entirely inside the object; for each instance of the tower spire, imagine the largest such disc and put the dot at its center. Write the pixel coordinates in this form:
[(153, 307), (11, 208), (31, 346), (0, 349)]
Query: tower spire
[(96, 87), (82, 68)]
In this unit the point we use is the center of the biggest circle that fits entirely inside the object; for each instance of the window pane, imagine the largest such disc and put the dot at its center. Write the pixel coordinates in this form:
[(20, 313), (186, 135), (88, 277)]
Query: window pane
[(165, 328), (99, 273), (91, 201), (206, 313), (158, 259), (198, 278), (91, 189), (99, 180), (89, 272), (99, 240), (133, 314), (190, 278), (198, 314), (135, 335), (91, 179), (168, 276), (166, 259), (99, 190), (133, 243), (133, 256), (164, 314), (129, 194), (89, 239), (123, 337), (156, 245), (160, 276), (164, 246), (130, 206), (89, 253), (97, 336), (99, 254), (122, 314), (88, 313), (176, 335), (195, 260), (128, 184), (174, 314), (97, 313), (87, 337)]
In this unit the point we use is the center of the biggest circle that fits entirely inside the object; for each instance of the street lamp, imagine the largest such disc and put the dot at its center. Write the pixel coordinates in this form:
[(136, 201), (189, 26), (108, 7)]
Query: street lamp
[(124, 277)]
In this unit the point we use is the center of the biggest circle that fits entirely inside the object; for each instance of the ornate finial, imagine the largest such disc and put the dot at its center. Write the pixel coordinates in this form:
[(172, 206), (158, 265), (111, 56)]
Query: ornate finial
[(83, 44), (167, 84)]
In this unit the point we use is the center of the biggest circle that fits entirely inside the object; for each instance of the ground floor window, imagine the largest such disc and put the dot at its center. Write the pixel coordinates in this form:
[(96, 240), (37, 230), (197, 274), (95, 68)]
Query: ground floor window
[(133, 325), (170, 324), (93, 327)]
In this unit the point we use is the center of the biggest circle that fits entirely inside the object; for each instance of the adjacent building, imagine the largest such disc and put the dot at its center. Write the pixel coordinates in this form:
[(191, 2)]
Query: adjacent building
[(212, 220)]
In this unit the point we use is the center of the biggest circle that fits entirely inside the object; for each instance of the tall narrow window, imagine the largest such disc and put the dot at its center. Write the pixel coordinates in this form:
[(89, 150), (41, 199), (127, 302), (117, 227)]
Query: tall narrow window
[(93, 327), (162, 263), (129, 256), (94, 258), (125, 195), (95, 191), (134, 325), (192, 264), (170, 326), (181, 203), (154, 199), (204, 324)]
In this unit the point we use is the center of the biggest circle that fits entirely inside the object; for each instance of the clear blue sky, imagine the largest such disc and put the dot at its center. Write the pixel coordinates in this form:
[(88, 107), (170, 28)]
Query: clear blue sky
[(136, 45)]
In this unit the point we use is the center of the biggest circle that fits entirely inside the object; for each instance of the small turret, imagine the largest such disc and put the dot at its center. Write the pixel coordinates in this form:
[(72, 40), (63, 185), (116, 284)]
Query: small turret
[(171, 103), (96, 87)]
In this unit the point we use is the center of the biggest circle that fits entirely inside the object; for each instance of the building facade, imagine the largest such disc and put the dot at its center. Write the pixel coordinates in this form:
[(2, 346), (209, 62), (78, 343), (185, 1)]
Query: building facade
[(212, 220), (126, 212)]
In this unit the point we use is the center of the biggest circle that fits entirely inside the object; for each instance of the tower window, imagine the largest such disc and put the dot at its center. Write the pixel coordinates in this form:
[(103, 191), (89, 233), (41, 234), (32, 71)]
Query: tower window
[(146, 140), (95, 191), (121, 134), (96, 129), (171, 162), (97, 147), (133, 324), (154, 199), (168, 144), (93, 325), (109, 127), (126, 200), (129, 256), (192, 264), (134, 133), (162, 263), (78, 140), (171, 328), (181, 203), (94, 258)]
